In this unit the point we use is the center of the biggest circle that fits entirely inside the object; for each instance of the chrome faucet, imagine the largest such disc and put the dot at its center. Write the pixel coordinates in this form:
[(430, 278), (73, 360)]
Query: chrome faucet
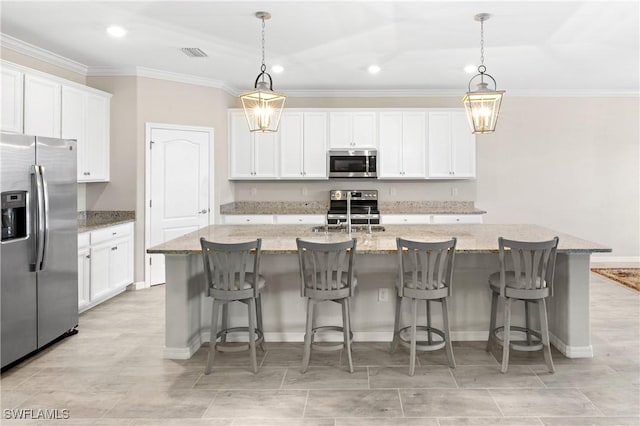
[(349, 212)]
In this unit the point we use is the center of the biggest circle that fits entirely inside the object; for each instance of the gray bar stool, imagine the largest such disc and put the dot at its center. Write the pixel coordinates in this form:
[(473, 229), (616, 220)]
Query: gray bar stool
[(531, 281), (425, 273), (231, 271), (326, 273)]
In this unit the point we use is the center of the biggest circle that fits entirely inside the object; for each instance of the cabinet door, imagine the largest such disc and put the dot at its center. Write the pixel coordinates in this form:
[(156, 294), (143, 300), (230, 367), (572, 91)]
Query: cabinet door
[(291, 136), (440, 145), (414, 144), (41, 107), (364, 129), (463, 146), (73, 125), (11, 91), (247, 219), (315, 145), (100, 269), (265, 155), (240, 152), (390, 158), (120, 264), (300, 219), (84, 276), (340, 127), (97, 137), (460, 218)]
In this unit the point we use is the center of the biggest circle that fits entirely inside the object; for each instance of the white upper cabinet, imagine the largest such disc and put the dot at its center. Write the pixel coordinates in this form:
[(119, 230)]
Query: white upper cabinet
[(11, 94), (85, 117), (41, 106), (251, 155), (355, 129), (452, 146), (402, 145), (303, 145)]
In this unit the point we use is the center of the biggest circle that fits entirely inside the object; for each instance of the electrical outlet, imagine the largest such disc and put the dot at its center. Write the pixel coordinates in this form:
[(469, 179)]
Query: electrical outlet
[(454, 191), (304, 191), (392, 191), (254, 191), (383, 295)]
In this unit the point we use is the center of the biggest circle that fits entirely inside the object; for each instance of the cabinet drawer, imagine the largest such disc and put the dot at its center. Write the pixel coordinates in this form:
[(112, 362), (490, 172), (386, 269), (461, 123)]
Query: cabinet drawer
[(457, 218), (405, 219), (112, 232), (292, 219), (248, 219), (84, 240)]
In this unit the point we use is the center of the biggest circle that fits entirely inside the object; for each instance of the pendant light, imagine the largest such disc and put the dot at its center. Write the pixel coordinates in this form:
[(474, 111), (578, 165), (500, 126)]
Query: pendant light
[(483, 104), (262, 106)]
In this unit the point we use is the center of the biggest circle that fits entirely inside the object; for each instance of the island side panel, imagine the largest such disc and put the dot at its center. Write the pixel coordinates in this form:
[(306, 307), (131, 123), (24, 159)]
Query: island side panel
[(185, 290), (569, 322)]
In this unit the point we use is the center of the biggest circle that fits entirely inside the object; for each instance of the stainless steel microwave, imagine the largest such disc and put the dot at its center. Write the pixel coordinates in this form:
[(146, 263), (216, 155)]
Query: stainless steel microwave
[(352, 163)]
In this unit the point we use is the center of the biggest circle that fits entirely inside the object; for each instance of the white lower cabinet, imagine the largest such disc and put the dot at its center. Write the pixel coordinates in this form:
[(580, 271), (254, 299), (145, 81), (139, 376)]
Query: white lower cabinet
[(426, 219), (247, 219), (270, 219), (105, 266), (300, 219)]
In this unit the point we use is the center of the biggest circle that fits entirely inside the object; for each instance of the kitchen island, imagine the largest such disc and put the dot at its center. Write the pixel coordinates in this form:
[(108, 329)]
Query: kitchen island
[(188, 309)]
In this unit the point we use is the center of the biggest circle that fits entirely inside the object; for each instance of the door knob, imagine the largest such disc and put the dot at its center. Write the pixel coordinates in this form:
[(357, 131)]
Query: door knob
[(203, 211)]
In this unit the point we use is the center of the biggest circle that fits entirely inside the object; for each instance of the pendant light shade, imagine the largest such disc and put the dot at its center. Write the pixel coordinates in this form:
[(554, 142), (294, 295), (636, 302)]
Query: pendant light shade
[(262, 106), (482, 104)]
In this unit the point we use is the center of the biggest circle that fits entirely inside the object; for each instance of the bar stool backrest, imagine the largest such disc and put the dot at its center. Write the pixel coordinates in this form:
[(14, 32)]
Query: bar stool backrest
[(326, 269), (231, 269), (532, 263), (425, 267)]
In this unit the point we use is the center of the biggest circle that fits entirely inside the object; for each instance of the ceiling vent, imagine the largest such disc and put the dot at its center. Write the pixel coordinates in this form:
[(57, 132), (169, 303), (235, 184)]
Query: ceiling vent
[(193, 52)]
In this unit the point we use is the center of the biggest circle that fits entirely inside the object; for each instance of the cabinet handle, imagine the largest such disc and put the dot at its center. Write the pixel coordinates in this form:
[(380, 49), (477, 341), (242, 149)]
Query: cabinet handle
[(88, 256), (114, 248), (203, 211), (86, 173), (248, 220), (113, 233)]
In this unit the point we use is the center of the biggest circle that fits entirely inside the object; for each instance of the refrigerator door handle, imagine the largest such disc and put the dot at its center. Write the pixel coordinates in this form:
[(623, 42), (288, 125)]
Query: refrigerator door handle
[(39, 216), (45, 209)]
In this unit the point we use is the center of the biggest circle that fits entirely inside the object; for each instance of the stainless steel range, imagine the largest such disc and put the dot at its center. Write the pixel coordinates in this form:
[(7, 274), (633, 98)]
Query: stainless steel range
[(361, 206)]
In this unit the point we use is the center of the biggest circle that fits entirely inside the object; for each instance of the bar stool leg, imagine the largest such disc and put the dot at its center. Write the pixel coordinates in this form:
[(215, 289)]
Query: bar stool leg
[(259, 319), (492, 321), (447, 333), (429, 338), (346, 327), (414, 319), (308, 336), (252, 334), (526, 322), (396, 325), (224, 325), (544, 331), (507, 335), (213, 338)]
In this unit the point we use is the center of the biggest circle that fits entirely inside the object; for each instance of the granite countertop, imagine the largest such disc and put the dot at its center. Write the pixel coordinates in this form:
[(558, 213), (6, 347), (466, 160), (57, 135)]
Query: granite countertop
[(472, 238), (321, 207), (92, 220)]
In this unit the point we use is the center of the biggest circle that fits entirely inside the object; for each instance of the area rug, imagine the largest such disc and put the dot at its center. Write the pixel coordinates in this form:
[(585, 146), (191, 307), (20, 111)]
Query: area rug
[(626, 276)]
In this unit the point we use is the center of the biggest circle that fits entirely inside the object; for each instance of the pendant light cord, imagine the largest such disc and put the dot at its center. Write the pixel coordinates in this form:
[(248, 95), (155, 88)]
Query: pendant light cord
[(481, 42), (263, 68)]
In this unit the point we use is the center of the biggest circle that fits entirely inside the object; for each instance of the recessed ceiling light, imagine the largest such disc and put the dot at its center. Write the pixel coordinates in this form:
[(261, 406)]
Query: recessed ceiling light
[(116, 31), (277, 69), (470, 69), (373, 69)]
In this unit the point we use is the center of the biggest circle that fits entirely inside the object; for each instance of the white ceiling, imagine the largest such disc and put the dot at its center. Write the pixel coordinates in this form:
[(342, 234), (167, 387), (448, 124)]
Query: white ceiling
[(530, 47)]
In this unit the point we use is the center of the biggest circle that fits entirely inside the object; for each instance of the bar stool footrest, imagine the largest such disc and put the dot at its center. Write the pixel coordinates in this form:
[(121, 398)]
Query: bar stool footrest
[(536, 345), (421, 345), (236, 346), (328, 346)]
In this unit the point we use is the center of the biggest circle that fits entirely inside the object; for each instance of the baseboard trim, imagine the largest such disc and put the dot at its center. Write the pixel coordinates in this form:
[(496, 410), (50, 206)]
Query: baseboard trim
[(571, 351), (184, 353), (140, 285)]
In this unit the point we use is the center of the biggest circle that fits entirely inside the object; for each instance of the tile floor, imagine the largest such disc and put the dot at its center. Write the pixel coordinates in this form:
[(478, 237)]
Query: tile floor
[(113, 373)]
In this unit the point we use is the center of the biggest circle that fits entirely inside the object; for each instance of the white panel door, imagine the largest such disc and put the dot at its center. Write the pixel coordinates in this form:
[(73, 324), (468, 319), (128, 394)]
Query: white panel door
[(11, 91), (315, 145), (440, 144), (179, 188), (463, 147), (291, 145), (41, 106)]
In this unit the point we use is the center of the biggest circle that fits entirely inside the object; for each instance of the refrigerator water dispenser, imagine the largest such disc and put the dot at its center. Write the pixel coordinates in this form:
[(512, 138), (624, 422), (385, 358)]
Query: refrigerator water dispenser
[(14, 215)]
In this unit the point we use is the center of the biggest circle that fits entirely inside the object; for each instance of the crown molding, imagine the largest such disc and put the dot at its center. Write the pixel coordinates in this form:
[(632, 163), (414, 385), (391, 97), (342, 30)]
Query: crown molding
[(433, 93), (161, 75), (36, 52)]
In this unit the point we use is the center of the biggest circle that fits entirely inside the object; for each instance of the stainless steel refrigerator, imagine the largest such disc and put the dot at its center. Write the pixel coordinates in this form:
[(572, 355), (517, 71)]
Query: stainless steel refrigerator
[(39, 247)]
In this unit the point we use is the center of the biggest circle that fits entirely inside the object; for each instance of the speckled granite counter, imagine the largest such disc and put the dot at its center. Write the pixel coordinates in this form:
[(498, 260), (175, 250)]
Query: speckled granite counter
[(91, 220), (472, 238), (321, 207)]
